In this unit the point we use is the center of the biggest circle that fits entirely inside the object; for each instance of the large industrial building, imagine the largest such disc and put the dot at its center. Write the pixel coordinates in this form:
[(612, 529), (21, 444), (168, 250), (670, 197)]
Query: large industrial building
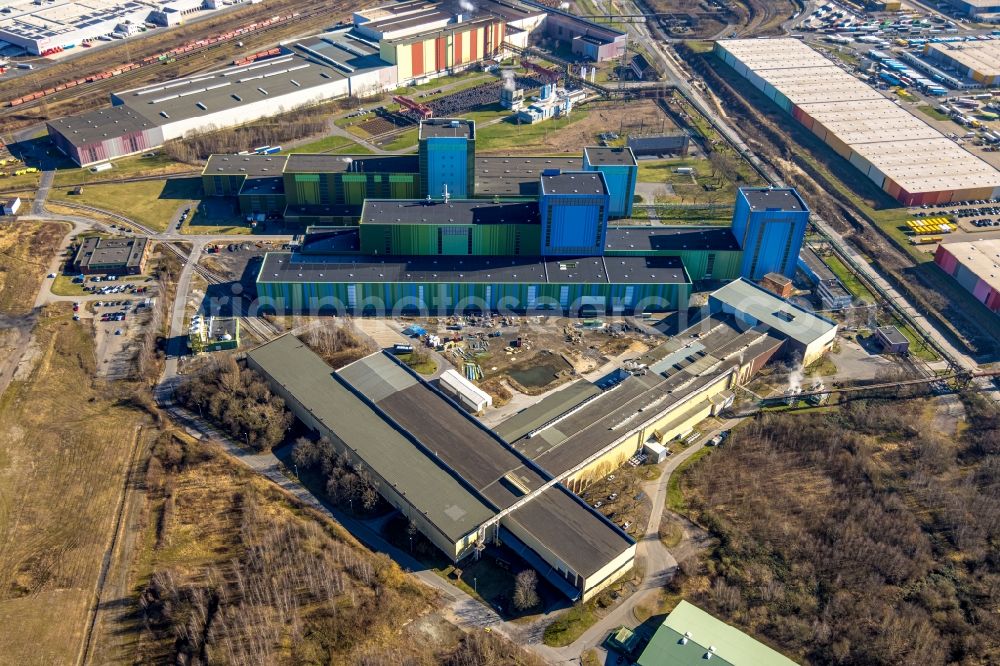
[(977, 61), (901, 154), (975, 265), (387, 235), (463, 484), (386, 47), (39, 27), (457, 481)]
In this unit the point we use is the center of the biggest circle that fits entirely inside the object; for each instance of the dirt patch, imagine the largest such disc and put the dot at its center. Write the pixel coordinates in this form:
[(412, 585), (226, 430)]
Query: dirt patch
[(26, 250)]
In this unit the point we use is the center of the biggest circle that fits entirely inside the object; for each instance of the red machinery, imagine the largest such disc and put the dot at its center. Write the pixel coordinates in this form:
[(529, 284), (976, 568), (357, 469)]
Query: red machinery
[(421, 110)]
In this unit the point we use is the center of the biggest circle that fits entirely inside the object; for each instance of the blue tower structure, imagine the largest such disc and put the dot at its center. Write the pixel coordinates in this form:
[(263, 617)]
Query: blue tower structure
[(447, 156), (574, 212), (769, 225), (620, 171)]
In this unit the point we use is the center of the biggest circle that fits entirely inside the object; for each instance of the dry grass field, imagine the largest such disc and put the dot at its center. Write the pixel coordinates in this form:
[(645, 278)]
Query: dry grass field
[(65, 442), (26, 248)]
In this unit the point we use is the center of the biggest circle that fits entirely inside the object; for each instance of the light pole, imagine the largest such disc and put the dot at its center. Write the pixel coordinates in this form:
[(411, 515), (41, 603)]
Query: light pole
[(475, 585)]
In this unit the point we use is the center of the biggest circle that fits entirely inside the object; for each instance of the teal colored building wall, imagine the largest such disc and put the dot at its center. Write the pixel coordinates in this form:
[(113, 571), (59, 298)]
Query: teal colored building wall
[(400, 297), (621, 186), (454, 240), (573, 224), (447, 160), (771, 239)]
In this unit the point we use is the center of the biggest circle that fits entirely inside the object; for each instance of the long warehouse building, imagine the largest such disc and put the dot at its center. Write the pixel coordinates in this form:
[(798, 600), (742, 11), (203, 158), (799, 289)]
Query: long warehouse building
[(976, 266), (456, 480), (904, 156)]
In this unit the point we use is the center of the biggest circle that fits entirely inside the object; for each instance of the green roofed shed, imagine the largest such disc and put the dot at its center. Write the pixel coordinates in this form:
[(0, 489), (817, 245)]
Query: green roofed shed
[(688, 634)]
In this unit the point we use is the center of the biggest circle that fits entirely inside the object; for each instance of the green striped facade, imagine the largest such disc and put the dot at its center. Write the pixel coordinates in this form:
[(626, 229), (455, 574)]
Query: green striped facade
[(449, 297), (225, 185), (350, 189), (700, 264), (497, 240)]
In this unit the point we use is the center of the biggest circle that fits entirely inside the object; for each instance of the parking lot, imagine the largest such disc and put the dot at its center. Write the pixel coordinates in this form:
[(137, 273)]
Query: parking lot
[(969, 215)]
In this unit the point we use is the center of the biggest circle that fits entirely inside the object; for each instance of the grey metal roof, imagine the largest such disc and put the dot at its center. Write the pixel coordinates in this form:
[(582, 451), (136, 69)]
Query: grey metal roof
[(269, 186), (320, 163), (558, 519), (517, 176), (126, 252), (460, 211), (773, 312), (667, 239), (769, 198), (96, 126), (551, 406), (428, 486), (231, 88), (299, 268), (447, 127), (574, 182), (608, 156), (892, 335), (251, 166)]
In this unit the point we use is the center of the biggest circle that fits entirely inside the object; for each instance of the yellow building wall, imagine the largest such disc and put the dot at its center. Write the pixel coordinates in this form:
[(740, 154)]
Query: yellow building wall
[(404, 62), (430, 56), (610, 573)]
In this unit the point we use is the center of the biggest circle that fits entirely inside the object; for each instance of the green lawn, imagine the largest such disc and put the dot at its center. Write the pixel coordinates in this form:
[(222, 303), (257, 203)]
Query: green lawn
[(333, 144), (506, 136), (126, 167), (63, 285), (425, 367), (150, 203), (703, 186), (849, 279), (571, 625), (933, 113), (917, 346), (407, 139)]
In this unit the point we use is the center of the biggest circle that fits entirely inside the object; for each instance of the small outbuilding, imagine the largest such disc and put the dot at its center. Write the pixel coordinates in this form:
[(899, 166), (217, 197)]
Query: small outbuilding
[(467, 394), (892, 341), (11, 206)]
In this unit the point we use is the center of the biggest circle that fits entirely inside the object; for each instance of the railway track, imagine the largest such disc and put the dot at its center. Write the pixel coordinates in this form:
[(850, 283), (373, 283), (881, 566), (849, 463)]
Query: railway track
[(115, 181), (258, 326), (147, 72)]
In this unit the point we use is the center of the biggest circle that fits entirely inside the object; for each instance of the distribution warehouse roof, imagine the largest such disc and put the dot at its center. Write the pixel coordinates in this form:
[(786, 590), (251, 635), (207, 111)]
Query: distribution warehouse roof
[(229, 89), (563, 523), (982, 57), (688, 634), (96, 126), (296, 268), (461, 211), (899, 151), (453, 507), (981, 256), (671, 239)]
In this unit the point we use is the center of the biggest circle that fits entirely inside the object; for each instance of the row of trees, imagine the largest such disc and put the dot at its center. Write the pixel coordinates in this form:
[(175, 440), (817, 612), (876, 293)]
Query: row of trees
[(282, 128), (347, 484), (338, 343), (238, 400)]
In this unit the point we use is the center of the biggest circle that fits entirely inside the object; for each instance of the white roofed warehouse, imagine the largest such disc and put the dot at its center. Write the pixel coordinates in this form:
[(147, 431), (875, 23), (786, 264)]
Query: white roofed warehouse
[(904, 156)]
